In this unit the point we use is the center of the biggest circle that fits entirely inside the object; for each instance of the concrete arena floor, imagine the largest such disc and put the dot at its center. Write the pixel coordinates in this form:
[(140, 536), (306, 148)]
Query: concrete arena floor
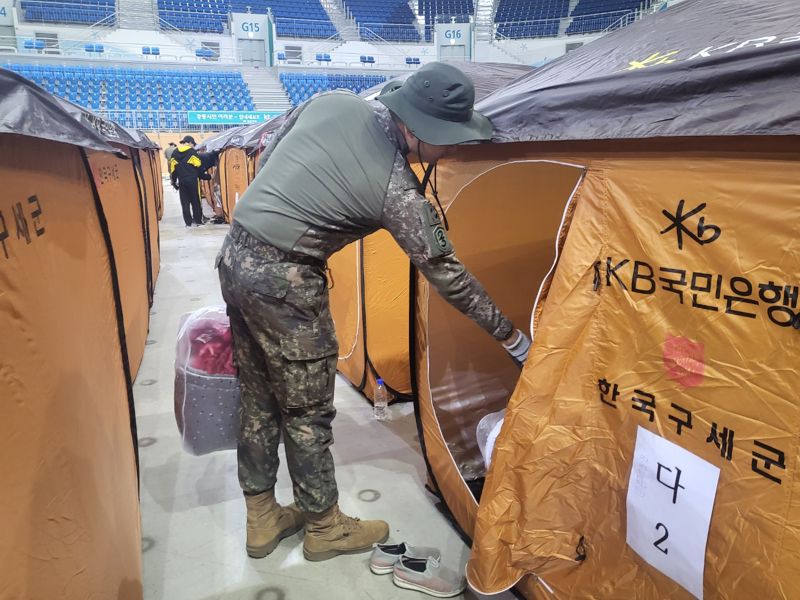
[(193, 515)]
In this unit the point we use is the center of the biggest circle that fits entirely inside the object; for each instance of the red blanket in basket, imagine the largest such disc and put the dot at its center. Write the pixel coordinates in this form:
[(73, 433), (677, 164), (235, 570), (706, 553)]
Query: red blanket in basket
[(212, 348)]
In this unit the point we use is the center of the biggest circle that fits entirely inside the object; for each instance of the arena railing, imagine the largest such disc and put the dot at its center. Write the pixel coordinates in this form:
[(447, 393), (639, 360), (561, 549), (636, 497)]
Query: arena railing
[(559, 27), (72, 48)]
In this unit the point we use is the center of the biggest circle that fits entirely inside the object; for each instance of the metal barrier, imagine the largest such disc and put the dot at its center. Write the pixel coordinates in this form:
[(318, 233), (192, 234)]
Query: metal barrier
[(87, 48)]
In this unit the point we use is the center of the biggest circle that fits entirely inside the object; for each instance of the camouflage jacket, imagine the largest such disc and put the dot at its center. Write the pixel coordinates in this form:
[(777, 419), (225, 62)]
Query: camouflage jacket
[(414, 224)]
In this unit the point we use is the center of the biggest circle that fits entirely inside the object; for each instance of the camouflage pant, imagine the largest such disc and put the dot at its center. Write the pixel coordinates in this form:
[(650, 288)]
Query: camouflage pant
[(285, 348)]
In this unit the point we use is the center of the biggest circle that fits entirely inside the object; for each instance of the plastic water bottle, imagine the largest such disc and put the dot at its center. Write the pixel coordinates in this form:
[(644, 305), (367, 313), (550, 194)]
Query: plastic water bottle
[(382, 397)]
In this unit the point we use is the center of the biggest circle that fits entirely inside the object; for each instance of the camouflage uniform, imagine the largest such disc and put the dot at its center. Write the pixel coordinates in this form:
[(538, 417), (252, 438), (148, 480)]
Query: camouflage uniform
[(285, 341), (285, 348)]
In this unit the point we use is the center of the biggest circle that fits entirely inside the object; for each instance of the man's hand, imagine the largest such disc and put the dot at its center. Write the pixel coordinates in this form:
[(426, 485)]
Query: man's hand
[(517, 347), (175, 185)]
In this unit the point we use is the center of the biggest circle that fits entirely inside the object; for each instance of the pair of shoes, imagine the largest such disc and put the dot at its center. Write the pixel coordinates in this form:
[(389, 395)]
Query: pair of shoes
[(418, 569), (386, 556), (331, 533)]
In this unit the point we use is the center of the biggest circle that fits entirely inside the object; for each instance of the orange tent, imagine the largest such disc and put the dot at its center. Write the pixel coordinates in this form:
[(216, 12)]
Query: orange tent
[(237, 164), (663, 338), (233, 178), (559, 479), (120, 191), (70, 501)]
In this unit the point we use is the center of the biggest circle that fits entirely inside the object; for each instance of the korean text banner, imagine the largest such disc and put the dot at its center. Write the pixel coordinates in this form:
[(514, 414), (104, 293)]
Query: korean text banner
[(234, 117)]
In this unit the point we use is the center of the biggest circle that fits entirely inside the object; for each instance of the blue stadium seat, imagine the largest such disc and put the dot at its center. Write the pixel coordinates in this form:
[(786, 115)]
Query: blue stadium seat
[(85, 12), (156, 96), (449, 11), (390, 20), (302, 86), (294, 18), (525, 19), (591, 16)]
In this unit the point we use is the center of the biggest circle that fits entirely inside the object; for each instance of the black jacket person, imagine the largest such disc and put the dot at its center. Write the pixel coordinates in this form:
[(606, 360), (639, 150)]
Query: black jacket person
[(335, 172), (187, 167)]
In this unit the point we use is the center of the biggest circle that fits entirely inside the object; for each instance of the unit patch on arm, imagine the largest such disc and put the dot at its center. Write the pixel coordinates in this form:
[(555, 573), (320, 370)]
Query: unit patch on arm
[(436, 236)]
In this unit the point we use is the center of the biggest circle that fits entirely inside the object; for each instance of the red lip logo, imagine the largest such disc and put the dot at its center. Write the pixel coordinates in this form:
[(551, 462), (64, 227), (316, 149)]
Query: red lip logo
[(684, 360)]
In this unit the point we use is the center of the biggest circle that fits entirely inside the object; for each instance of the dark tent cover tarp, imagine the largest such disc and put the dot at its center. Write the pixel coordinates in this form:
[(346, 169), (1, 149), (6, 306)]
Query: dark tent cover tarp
[(702, 68), (26, 109)]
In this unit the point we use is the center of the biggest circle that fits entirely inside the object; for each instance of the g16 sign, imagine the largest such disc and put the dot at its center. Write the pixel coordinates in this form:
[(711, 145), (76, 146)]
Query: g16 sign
[(6, 17)]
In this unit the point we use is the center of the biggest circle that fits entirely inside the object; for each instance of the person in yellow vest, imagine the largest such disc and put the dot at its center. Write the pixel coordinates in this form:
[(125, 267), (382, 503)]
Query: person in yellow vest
[(187, 166)]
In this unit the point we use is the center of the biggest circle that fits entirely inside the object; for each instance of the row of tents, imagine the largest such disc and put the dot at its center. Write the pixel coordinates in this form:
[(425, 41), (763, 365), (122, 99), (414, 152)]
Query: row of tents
[(637, 212), (80, 257)]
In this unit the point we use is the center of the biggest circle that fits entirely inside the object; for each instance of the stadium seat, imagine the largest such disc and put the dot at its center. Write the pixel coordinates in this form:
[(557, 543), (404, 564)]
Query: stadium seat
[(524, 19), (84, 12), (390, 20), (293, 18), (450, 11), (591, 16), (155, 95), (302, 86)]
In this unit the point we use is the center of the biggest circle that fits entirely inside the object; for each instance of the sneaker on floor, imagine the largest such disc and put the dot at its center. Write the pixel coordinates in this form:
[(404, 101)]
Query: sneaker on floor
[(385, 556), (428, 576)]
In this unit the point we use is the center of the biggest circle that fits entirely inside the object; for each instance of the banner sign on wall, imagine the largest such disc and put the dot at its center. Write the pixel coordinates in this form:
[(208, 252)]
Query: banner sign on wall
[(229, 117)]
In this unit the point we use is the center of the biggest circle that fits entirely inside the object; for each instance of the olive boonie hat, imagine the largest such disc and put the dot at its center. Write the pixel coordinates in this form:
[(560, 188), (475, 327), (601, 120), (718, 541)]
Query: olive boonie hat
[(435, 103), (392, 86)]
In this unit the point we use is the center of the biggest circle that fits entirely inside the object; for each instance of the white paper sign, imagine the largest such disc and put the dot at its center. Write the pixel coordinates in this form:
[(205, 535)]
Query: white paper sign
[(670, 499)]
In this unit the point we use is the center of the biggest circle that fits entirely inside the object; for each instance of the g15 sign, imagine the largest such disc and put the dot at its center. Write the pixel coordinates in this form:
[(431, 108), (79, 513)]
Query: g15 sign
[(249, 26)]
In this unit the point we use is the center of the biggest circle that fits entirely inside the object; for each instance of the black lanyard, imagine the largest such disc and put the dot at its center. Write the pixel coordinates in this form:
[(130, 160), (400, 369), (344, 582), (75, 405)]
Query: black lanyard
[(426, 181)]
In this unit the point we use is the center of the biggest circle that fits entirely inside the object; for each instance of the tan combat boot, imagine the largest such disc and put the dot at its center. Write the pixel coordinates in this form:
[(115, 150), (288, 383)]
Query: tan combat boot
[(332, 532), (268, 523)]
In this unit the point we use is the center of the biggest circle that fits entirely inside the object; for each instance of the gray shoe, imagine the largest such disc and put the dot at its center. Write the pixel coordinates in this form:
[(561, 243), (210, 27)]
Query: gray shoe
[(385, 556), (429, 577)]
